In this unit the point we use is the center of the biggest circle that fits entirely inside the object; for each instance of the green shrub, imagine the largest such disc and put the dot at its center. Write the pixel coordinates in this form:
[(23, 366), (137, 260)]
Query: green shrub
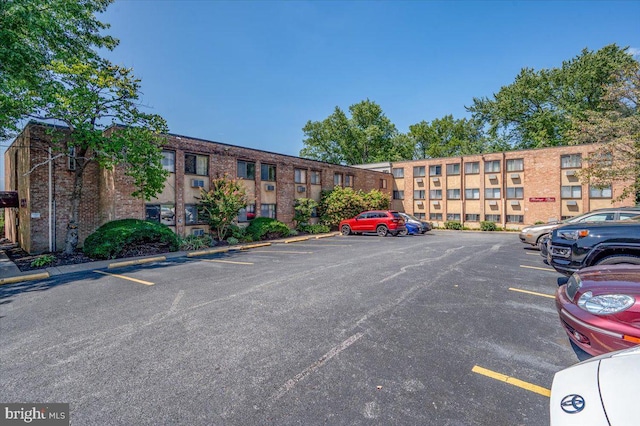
[(316, 229), (121, 237), (265, 228), (344, 203), (293, 232), (452, 224), (193, 242), (232, 241), (303, 208), (539, 222), (488, 226), (43, 261)]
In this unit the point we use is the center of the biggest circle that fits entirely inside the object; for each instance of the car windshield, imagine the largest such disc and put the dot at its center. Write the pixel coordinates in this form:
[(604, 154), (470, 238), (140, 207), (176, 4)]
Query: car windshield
[(411, 217)]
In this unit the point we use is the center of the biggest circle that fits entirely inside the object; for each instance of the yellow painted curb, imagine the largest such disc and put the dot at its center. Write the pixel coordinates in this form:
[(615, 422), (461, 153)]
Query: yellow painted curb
[(250, 246), (327, 235), (136, 262), (20, 278), (295, 240), (209, 251)]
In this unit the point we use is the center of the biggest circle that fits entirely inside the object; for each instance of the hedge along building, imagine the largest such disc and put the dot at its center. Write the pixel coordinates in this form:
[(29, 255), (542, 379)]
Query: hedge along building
[(44, 180), (511, 189)]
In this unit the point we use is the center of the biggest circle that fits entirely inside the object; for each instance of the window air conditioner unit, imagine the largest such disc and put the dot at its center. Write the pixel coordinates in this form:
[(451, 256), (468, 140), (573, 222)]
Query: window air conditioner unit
[(420, 203), (493, 177), (515, 176), (570, 173), (493, 203), (419, 180), (572, 203), (301, 189), (515, 203), (270, 188), (197, 183), (436, 179), (436, 203), (197, 232)]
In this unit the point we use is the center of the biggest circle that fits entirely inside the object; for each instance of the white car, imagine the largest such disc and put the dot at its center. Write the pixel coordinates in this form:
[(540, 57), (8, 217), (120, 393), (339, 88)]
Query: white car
[(603, 390)]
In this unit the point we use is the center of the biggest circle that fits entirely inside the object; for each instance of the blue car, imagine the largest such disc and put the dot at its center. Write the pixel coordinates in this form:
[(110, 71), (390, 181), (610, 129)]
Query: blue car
[(412, 229)]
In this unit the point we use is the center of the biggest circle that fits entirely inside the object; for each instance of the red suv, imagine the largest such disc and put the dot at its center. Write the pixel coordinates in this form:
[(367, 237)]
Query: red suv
[(378, 221)]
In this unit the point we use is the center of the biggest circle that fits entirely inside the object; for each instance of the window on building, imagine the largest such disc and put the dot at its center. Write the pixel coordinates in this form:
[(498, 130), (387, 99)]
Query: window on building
[(600, 192), (196, 164), (435, 194), (472, 168), (453, 216), (348, 180), (72, 162), (492, 193), (398, 172), (337, 179), (190, 214), (300, 176), (315, 177), (516, 192), (571, 161), (268, 210), (435, 170), (602, 159), (419, 171), (420, 216), (472, 194), (472, 217), (492, 217), (398, 195), (247, 214), (268, 172), (435, 216), (419, 195), (492, 166), (453, 169), (246, 170), (516, 165), (169, 161), (515, 218), (383, 184), (453, 194), (571, 191), (163, 213)]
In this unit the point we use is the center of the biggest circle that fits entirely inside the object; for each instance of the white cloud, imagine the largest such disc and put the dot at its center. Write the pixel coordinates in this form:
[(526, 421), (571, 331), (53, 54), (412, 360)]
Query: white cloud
[(634, 51)]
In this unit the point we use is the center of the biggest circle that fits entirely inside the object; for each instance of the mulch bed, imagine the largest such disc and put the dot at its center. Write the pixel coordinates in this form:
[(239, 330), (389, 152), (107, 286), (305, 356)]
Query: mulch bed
[(23, 260)]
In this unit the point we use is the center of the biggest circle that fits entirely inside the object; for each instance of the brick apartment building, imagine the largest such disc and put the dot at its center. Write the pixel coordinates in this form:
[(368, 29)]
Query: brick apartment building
[(273, 183), (512, 189)]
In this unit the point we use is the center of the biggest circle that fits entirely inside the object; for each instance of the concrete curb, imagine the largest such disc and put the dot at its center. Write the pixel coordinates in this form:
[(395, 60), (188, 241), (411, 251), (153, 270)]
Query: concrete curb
[(136, 262), (28, 277), (295, 240)]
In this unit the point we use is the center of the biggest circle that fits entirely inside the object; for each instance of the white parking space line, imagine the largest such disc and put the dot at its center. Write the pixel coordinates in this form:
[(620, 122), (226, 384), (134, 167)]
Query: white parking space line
[(538, 268), (322, 245), (533, 254), (281, 251), (226, 261)]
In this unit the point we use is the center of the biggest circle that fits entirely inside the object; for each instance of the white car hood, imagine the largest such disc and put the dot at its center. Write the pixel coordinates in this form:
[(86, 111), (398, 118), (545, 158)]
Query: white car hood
[(607, 389)]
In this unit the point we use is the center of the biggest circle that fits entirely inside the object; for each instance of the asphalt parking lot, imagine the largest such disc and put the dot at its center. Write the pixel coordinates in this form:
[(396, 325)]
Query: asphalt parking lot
[(449, 328)]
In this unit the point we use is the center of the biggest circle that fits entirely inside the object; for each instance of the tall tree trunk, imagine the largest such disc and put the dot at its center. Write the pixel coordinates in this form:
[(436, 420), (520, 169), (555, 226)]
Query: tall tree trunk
[(71, 239)]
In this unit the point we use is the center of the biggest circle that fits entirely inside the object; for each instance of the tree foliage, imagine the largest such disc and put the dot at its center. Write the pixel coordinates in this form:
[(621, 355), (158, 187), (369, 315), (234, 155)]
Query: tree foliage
[(34, 33), (303, 209), (535, 110), (617, 129), (220, 205), (343, 203), (367, 137), (446, 137)]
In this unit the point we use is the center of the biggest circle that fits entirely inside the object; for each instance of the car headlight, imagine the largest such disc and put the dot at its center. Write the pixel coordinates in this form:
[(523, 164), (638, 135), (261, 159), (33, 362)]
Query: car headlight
[(605, 304), (525, 230), (573, 235)]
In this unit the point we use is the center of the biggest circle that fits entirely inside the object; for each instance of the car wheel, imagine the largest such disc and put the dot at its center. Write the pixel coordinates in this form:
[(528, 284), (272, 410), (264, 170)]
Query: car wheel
[(619, 259), (346, 230), (403, 233), (382, 231)]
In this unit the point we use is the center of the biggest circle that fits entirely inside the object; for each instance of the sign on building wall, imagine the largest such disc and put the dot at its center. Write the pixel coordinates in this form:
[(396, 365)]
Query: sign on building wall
[(8, 199), (542, 199)]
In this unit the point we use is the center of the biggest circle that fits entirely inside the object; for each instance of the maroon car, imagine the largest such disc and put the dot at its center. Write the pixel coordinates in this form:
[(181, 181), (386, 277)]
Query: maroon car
[(599, 308), (382, 222)]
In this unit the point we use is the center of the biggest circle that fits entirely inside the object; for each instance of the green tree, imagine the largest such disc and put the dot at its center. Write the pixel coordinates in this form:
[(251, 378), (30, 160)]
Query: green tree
[(446, 137), (220, 205), (367, 137), (89, 97), (617, 129), (535, 110), (33, 33), (344, 203), (303, 210)]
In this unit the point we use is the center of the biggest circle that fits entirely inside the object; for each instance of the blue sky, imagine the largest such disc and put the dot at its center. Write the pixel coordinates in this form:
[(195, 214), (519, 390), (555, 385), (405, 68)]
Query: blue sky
[(252, 73)]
